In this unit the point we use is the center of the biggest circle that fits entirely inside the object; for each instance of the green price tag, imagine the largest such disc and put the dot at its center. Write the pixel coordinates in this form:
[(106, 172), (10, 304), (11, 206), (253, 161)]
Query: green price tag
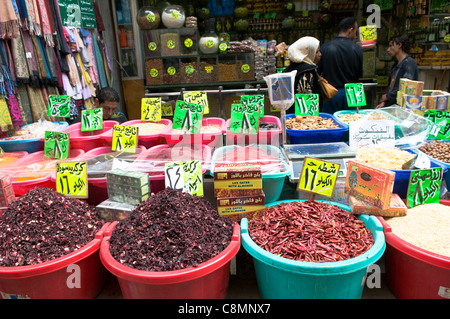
[(441, 120), (198, 97), (244, 119), (186, 176), (125, 138), (71, 179), (307, 104), (56, 145), (318, 176), (58, 106), (188, 117), (424, 186), (254, 99), (151, 109), (92, 120), (356, 96)]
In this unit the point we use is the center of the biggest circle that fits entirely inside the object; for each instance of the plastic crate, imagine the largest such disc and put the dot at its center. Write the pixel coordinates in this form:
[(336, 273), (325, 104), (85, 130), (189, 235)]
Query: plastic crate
[(317, 136)]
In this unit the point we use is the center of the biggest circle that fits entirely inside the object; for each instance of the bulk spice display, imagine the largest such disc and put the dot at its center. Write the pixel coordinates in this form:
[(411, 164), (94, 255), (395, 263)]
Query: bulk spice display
[(439, 150), (170, 230), (310, 123), (43, 225), (310, 231)]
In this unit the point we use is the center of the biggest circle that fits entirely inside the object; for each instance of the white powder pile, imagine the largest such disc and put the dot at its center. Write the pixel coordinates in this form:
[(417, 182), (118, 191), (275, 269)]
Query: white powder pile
[(426, 226)]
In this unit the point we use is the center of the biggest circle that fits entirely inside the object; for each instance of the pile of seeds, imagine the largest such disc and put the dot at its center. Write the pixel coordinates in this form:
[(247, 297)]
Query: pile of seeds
[(171, 230), (438, 150), (43, 225), (310, 231), (310, 123)]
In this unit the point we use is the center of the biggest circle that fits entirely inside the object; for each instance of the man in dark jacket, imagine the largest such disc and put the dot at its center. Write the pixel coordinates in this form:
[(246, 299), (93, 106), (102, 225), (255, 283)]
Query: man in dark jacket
[(341, 63), (405, 67)]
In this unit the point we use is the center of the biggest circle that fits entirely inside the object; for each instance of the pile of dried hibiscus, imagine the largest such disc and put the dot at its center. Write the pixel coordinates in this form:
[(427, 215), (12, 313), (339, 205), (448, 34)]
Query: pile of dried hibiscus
[(43, 225), (171, 230)]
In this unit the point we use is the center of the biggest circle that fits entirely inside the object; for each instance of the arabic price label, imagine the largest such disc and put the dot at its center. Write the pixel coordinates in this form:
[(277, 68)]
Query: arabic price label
[(186, 176), (125, 138), (244, 119), (56, 145), (58, 106), (318, 176), (92, 120), (198, 97), (307, 104), (424, 186), (355, 94), (254, 99), (188, 117), (71, 179), (151, 109)]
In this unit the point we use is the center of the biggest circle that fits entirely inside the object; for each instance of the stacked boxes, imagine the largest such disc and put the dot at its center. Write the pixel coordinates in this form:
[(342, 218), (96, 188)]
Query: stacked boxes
[(238, 188), (436, 100), (127, 186), (409, 95), (6, 191), (111, 211)]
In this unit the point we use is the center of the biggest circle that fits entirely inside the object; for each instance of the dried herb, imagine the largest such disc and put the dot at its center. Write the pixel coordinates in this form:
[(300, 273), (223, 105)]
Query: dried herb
[(310, 231), (171, 230), (43, 225)]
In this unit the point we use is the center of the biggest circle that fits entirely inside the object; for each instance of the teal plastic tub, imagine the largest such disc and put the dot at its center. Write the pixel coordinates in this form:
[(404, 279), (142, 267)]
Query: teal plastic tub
[(274, 166), (283, 278)]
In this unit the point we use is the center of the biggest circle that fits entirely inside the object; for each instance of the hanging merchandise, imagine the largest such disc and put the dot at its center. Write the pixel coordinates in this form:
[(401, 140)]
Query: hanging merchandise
[(9, 23)]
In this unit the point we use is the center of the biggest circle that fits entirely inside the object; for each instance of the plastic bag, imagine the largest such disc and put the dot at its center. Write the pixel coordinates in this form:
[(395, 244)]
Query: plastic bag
[(410, 129), (281, 89)]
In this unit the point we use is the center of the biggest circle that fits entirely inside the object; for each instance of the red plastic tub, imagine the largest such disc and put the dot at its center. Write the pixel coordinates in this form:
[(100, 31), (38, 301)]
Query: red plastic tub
[(50, 279), (413, 272), (209, 280), (43, 166), (152, 161), (87, 140), (146, 140), (212, 139), (267, 137)]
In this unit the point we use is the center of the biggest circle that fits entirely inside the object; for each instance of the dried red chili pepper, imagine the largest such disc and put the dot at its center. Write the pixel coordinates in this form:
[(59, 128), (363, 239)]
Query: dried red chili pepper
[(310, 231)]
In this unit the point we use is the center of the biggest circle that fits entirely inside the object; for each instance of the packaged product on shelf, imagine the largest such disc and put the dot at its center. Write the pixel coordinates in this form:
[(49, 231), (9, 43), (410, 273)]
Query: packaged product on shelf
[(128, 186), (208, 70), (227, 68), (170, 43), (397, 207), (189, 70), (369, 183), (154, 72), (151, 43), (171, 71), (111, 210), (188, 41)]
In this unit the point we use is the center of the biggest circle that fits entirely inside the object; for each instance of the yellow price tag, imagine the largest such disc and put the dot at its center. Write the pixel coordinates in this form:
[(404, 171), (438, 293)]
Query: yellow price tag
[(318, 176), (368, 33), (71, 179), (125, 138), (151, 109), (166, 109), (199, 97), (186, 176)]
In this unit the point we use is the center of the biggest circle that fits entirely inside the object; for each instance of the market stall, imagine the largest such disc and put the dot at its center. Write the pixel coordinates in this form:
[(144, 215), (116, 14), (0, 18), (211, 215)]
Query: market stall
[(163, 202)]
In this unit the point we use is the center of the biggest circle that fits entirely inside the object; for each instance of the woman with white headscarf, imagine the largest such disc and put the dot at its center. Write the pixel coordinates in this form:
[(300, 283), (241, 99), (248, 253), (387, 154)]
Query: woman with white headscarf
[(304, 55)]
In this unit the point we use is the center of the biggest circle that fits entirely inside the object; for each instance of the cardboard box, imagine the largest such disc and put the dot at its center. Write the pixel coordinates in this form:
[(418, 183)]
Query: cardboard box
[(370, 184), (242, 206), (231, 180), (397, 207), (111, 210), (411, 87)]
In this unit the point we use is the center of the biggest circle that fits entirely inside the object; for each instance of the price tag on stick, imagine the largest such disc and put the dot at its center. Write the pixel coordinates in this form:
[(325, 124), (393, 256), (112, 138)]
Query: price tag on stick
[(318, 176), (151, 109), (125, 138), (254, 99), (355, 94), (424, 186), (307, 104), (56, 145), (58, 106), (71, 179), (92, 120), (188, 117), (198, 97), (186, 176), (244, 119)]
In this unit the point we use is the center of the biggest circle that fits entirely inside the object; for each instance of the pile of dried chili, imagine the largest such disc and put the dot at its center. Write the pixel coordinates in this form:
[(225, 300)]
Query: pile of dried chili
[(310, 231), (43, 225), (171, 230)]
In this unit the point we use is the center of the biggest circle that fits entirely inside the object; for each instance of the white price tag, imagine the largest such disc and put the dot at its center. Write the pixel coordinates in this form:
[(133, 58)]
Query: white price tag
[(174, 177)]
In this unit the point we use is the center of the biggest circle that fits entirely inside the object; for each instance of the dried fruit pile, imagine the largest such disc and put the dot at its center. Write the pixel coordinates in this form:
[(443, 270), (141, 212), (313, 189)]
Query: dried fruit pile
[(43, 225), (310, 231), (169, 231)]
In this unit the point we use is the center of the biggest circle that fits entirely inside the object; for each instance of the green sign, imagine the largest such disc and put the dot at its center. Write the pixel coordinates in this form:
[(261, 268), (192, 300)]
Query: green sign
[(244, 119), (186, 176), (92, 120), (307, 104), (188, 117), (424, 186), (56, 145), (125, 138), (58, 106), (198, 97), (77, 13), (355, 94), (254, 99), (441, 119)]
